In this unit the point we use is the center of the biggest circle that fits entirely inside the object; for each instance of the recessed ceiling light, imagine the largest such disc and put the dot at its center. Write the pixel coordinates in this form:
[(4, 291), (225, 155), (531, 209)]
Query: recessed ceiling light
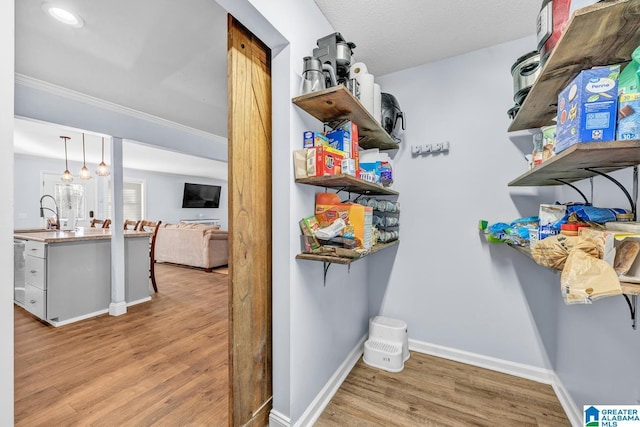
[(63, 15)]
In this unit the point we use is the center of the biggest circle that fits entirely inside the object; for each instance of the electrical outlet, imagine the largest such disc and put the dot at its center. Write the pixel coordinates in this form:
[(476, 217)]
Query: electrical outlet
[(416, 149), (438, 148), (426, 148)]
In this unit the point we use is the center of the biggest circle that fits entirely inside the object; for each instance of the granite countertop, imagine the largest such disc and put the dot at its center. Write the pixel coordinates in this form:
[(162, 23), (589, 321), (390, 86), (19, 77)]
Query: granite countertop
[(57, 236)]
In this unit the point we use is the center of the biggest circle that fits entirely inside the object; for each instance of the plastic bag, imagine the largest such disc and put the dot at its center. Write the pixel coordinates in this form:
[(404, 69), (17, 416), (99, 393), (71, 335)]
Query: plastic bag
[(553, 251), (586, 278), (588, 213)]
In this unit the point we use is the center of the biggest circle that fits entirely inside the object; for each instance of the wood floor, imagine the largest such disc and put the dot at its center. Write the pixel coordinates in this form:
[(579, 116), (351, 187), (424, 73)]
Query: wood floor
[(437, 392), (164, 363)]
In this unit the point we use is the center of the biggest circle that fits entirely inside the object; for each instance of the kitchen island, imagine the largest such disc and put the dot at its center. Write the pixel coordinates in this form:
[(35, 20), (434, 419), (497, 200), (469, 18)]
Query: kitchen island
[(67, 274)]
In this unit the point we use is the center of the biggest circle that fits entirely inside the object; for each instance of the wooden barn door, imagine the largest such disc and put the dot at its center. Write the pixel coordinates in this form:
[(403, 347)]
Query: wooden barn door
[(249, 74)]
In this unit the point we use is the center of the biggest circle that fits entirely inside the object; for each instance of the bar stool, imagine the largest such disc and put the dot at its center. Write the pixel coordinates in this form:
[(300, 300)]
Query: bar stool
[(144, 225), (105, 223)]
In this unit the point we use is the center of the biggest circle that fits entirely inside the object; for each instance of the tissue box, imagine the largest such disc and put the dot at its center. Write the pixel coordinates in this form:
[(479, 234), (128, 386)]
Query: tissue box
[(588, 108), (628, 116), (313, 139)]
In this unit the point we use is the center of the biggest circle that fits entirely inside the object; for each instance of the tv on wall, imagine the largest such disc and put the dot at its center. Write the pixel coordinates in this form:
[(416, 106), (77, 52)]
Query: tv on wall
[(201, 196)]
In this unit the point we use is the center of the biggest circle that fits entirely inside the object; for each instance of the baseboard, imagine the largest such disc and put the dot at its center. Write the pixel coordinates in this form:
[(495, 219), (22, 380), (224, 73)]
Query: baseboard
[(570, 408), (77, 319), (138, 301), (314, 410), (541, 375), (276, 419)]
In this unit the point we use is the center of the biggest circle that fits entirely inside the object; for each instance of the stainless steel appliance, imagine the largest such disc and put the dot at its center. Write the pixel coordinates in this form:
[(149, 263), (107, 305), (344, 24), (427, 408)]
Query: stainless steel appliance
[(525, 71), (313, 78), (335, 52), (552, 20)]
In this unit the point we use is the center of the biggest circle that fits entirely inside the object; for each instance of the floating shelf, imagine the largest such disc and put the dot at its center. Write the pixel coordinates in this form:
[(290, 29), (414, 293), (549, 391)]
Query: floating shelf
[(600, 34), (570, 164), (348, 183), (628, 288), (337, 104), (342, 260)]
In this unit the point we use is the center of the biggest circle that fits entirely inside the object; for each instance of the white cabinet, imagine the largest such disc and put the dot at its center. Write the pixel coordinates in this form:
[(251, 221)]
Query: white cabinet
[(35, 277)]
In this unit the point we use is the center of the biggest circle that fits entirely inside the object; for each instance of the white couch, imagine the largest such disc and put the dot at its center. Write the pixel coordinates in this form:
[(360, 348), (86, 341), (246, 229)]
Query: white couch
[(195, 245)]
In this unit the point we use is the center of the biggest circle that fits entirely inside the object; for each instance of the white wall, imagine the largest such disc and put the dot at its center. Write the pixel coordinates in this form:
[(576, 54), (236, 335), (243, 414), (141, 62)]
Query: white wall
[(455, 290), (6, 226), (451, 287), (163, 193)]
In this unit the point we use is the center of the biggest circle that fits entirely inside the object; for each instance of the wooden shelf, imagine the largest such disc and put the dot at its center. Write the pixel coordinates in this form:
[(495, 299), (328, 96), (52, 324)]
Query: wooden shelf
[(337, 103), (343, 260), (348, 183), (600, 34), (628, 288), (569, 165)]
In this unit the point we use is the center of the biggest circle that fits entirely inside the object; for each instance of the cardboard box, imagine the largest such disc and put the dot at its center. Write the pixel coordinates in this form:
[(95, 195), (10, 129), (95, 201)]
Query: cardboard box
[(340, 139), (588, 108), (313, 139), (628, 117), (300, 163), (358, 216), (349, 167), (324, 160), (355, 144)]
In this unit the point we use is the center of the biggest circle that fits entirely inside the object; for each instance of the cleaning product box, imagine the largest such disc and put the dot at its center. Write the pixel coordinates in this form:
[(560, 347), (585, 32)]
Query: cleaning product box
[(324, 160), (329, 208), (340, 139), (352, 128), (628, 116), (588, 108), (313, 139)]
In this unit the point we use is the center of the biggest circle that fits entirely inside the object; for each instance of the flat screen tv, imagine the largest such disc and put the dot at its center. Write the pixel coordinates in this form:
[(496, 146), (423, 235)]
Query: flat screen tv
[(201, 196)]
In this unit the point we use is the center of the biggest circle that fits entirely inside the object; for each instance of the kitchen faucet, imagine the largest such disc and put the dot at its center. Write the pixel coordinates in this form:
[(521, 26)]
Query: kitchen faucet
[(57, 211)]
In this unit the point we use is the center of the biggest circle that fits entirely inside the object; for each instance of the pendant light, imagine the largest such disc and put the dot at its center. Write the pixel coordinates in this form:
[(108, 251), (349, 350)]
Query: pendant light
[(103, 169), (84, 172), (66, 176)]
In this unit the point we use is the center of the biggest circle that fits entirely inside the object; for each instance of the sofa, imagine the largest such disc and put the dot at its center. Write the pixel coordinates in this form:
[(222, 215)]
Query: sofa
[(195, 245)]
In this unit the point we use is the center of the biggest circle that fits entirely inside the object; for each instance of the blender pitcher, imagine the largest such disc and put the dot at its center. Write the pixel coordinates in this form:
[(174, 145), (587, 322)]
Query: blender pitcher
[(313, 78)]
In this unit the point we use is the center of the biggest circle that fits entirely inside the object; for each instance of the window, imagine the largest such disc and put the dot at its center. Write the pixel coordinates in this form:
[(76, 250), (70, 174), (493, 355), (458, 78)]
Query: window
[(131, 201)]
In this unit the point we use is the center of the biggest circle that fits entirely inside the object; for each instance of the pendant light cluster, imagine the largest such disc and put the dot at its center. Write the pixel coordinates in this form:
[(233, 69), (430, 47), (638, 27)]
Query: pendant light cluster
[(103, 169)]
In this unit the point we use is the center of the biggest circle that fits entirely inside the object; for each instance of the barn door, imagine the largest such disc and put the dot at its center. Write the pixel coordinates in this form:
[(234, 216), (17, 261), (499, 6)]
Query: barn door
[(249, 74)]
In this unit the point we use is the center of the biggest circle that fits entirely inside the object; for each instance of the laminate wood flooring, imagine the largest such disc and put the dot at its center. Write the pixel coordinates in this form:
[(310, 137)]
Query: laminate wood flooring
[(164, 363), (431, 391)]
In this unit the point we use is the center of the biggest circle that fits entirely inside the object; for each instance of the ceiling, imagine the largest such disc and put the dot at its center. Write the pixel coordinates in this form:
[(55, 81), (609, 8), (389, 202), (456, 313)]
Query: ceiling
[(168, 58), (400, 34)]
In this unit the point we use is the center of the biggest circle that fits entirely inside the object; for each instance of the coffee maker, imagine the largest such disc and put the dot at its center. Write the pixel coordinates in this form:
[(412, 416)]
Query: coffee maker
[(335, 52)]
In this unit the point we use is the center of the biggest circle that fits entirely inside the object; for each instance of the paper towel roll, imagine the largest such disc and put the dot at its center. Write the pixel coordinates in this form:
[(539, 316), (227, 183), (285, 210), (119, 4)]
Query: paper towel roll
[(357, 68), (366, 91), (377, 102)]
